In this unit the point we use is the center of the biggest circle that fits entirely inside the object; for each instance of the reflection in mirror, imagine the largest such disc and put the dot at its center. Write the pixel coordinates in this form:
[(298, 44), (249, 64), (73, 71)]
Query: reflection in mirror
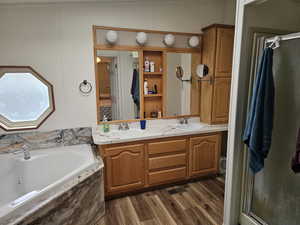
[(118, 82), (178, 92), (26, 99)]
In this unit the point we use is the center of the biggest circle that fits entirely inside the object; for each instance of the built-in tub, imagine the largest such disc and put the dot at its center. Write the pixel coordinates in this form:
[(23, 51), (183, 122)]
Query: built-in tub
[(27, 185)]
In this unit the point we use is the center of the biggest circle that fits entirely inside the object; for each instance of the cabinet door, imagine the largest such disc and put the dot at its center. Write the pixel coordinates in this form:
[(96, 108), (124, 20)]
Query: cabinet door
[(224, 52), (125, 167), (209, 49), (208, 58), (221, 99), (204, 155)]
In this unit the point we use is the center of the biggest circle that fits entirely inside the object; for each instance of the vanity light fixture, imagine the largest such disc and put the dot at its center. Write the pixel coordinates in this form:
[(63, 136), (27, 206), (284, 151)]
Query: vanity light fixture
[(194, 41), (141, 38), (111, 37), (169, 40)]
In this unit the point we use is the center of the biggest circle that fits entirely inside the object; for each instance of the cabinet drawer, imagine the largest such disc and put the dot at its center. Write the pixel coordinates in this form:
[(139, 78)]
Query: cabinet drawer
[(116, 150), (167, 161), (167, 175), (167, 146)]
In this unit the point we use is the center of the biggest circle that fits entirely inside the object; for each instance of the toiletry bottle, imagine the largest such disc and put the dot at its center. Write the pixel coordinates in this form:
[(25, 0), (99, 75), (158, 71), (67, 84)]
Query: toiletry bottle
[(105, 125), (152, 66), (155, 89), (159, 114), (147, 65), (145, 87)]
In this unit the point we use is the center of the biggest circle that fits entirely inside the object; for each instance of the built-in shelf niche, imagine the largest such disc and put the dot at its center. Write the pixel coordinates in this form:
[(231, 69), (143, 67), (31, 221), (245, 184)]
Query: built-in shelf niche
[(154, 102)]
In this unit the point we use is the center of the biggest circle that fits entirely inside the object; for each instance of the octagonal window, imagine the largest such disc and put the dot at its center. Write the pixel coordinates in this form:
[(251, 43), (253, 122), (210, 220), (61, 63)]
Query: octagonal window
[(26, 98)]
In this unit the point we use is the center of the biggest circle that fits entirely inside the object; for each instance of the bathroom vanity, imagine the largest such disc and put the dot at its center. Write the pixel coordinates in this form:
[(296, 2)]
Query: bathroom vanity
[(164, 153), (160, 81)]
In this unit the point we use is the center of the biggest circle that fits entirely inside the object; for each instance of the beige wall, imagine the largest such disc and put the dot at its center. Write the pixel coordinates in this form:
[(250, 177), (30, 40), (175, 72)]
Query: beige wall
[(56, 40)]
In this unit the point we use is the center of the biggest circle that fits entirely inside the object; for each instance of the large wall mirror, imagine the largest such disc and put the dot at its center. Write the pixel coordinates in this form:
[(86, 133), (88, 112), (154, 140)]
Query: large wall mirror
[(137, 74), (118, 79), (178, 102), (26, 98), (121, 76)]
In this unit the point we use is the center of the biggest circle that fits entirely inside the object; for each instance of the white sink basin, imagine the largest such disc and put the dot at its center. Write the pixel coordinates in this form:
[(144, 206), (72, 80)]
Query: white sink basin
[(190, 126), (131, 133)]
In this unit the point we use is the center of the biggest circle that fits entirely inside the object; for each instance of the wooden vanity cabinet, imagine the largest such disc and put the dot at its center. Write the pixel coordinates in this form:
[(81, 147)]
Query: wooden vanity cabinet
[(125, 167), (141, 164), (167, 161), (204, 154), (215, 91)]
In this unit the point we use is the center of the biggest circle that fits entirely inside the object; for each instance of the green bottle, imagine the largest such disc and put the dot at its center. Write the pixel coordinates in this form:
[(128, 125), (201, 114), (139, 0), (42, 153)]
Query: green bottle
[(105, 125)]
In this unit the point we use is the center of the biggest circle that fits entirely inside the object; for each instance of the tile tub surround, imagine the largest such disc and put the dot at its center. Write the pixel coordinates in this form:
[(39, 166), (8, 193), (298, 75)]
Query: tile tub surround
[(83, 204), (61, 190), (154, 129), (41, 140)]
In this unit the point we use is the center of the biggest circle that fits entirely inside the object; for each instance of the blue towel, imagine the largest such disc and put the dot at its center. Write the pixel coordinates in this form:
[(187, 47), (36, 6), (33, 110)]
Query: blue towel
[(135, 88), (258, 131)]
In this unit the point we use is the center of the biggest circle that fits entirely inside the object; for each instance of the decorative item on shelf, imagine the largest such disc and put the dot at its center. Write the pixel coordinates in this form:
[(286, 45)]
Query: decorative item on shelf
[(85, 87), (194, 41), (112, 37), (141, 38), (169, 40)]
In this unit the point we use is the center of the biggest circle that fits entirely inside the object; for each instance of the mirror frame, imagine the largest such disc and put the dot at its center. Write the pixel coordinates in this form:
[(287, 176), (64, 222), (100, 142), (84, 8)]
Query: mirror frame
[(7, 125), (140, 49)]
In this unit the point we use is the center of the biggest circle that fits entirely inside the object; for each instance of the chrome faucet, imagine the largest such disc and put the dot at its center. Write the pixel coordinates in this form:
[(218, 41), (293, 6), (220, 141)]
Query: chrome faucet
[(26, 152), (123, 126), (184, 120)]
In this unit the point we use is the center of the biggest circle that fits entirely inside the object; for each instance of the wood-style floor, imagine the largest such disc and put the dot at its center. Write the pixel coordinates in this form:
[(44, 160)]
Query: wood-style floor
[(197, 203)]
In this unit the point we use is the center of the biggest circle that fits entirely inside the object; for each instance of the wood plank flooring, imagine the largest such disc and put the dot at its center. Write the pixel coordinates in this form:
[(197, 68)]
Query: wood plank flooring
[(196, 203)]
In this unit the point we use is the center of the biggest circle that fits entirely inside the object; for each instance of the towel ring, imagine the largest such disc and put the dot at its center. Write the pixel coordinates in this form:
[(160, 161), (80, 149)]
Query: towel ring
[(85, 87)]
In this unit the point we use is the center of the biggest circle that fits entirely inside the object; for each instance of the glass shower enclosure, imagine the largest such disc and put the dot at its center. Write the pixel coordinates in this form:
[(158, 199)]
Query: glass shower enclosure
[(272, 196)]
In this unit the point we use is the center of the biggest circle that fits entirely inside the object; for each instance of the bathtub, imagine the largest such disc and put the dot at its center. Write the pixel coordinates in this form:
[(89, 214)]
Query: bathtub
[(27, 185)]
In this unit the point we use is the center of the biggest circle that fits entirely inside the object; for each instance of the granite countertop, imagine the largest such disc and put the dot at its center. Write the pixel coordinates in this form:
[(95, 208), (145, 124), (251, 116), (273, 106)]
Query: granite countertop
[(154, 129)]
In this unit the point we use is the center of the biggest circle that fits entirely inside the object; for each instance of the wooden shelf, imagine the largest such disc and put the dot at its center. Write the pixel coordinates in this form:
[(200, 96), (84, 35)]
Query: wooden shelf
[(154, 102), (153, 73), (152, 95)]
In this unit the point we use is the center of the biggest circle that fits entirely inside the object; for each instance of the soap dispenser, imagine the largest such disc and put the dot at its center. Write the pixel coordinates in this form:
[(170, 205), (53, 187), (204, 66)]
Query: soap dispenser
[(105, 125)]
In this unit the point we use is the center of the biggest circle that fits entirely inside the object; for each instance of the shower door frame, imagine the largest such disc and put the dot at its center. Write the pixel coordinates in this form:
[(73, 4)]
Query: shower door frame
[(259, 37), (235, 157)]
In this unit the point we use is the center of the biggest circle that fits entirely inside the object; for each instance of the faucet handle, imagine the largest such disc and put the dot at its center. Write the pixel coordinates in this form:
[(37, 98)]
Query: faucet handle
[(120, 126), (185, 120), (182, 120), (126, 126), (25, 146)]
